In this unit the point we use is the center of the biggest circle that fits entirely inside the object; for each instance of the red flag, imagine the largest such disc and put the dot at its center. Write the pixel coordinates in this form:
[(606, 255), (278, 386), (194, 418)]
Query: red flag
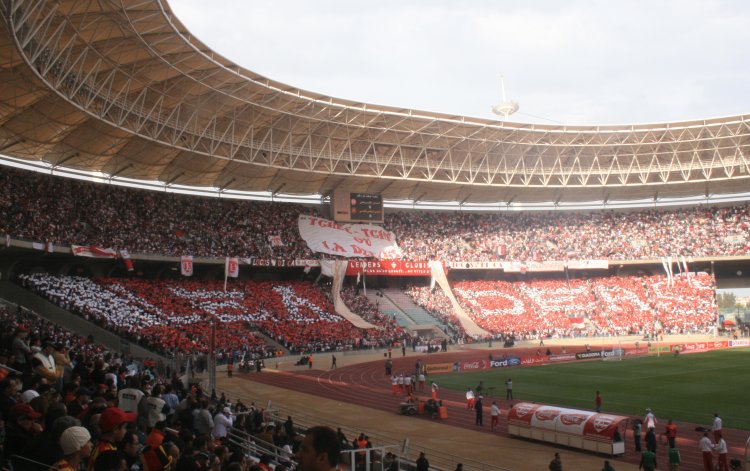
[(186, 265), (126, 258)]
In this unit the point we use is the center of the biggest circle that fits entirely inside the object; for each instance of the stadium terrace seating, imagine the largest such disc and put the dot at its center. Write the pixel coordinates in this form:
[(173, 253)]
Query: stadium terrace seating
[(177, 316), (453, 236), (44, 208), (63, 211), (39, 329), (599, 306)]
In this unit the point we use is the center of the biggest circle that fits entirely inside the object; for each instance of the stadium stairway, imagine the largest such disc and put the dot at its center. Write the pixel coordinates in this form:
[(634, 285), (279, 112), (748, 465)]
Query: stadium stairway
[(76, 324), (418, 316), (270, 341), (387, 307)]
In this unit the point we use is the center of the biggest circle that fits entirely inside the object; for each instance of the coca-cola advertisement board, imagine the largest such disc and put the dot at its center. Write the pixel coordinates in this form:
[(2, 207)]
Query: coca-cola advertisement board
[(545, 417), (572, 421), (474, 365), (522, 413), (602, 427)]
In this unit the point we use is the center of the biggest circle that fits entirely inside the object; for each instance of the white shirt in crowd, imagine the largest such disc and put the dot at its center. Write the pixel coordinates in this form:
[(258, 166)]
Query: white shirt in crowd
[(222, 423), (128, 399), (155, 407)]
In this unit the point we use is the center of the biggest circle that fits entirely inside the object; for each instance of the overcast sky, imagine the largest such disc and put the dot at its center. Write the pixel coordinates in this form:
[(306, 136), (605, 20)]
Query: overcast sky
[(571, 62)]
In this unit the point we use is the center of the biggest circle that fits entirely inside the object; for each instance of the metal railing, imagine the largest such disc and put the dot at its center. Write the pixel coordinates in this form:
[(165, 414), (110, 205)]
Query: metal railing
[(406, 449)]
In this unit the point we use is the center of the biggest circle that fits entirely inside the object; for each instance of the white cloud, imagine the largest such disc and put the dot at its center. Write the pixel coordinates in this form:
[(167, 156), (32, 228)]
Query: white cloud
[(575, 62)]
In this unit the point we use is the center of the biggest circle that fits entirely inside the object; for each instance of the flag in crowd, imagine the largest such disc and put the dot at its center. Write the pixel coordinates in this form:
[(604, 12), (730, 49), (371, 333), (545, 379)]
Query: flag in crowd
[(186, 265), (125, 255)]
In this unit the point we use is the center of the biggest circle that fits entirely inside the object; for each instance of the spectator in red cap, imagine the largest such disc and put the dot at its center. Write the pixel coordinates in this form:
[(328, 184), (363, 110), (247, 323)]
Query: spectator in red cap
[(21, 428), (112, 423)]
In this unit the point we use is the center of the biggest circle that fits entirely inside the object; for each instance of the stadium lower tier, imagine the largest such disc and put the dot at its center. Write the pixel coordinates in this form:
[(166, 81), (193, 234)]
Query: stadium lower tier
[(258, 318)]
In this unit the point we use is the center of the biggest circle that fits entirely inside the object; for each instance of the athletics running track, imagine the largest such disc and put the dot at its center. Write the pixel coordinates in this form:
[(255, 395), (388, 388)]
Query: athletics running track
[(365, 384)]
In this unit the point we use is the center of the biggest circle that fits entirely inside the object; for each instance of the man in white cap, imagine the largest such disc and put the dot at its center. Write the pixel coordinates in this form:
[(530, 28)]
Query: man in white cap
[(76, 447), (29, 395), (649, 421), (222, 423)]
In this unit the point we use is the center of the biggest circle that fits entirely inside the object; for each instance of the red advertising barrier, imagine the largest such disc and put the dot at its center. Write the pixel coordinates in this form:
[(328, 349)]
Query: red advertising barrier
[(545, 417), (475, 365), (583, 429), (513, 361), (535, 360), (601, 427), (522, 413)]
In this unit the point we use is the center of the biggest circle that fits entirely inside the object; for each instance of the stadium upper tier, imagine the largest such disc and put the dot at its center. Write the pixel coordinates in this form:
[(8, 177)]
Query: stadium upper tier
[(122, 88), (63, 211)]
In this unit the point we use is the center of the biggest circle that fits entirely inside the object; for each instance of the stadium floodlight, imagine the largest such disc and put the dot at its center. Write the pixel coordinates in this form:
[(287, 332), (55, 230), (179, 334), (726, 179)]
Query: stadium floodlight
[(506, 107)]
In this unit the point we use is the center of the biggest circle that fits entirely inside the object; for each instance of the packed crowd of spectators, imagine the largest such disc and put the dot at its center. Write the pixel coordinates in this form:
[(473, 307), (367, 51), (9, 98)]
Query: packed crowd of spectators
[(63, 211), (177, 316), (67, 404), (457, 236), (617, 305)]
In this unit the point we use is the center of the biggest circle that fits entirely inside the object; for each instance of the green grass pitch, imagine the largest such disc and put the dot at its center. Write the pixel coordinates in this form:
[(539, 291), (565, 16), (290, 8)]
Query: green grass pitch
[(687, 388)]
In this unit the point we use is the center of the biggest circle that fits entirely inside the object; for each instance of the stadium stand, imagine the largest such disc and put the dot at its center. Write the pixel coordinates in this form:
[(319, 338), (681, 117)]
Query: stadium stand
[(597, 306), (43, 208), (75, 120), (172, 317)]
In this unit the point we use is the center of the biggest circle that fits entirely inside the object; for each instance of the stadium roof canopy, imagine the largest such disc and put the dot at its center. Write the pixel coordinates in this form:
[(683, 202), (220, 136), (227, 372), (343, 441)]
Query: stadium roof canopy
[(121, 87)]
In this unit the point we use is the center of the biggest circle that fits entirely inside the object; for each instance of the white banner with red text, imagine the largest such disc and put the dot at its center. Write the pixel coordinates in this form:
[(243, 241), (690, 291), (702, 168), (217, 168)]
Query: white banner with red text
[(347, 240), (93, 251)]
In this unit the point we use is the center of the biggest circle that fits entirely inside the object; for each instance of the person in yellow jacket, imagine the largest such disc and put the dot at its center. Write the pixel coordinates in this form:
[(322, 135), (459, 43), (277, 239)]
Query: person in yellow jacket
[(62, 360), (76, 447), (43, 362)]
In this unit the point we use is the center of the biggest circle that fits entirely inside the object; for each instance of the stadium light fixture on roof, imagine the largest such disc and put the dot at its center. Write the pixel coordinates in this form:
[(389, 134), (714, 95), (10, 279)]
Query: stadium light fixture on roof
[(506, 107)]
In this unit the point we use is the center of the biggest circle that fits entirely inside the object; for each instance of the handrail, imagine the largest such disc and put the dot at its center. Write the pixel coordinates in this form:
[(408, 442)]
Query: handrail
[(408, 449)]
